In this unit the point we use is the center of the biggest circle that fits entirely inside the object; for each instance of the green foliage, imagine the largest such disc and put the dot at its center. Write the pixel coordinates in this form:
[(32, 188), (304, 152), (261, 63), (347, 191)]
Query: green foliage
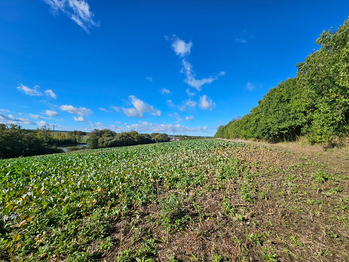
[(68, 201), (314, 103), (172, 212), (107, 138), (92, 142), (15, 142), (321, 176)]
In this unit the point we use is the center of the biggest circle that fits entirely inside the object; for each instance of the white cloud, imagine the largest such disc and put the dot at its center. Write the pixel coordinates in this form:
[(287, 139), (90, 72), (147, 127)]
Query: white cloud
[(79, 119), (187, 69), (149, 78), (165, 91), (240, 40), (169, 102), (51, 113), (77, 10), (43, 123), (150, 128), (206, 103), (117, 109), (189, 93), (180, 47), (140, 108), (10, 119), (250, 86), (188, 103), (189, 118), (35, 116), (5, 110), (50, 93), (82, 111), (105, 110), (30, 91), (177, 116)]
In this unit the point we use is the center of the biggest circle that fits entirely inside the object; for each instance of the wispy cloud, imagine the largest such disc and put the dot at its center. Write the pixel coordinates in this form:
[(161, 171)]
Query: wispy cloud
[(150, 128), (250, 86), (189, 118), (187, 69), (82, 111), (35, 92), (76, 10), (10, 119), (4, 110), (50, 93), (180, 47), (243, 37), (149, 78), (189, 93), (187, 103), (30, 91), (36, 116), (165, 91), (117, 109), (206, 103), (170, 103), (105, 110), (140, 108), (51, 113), (177, 117)]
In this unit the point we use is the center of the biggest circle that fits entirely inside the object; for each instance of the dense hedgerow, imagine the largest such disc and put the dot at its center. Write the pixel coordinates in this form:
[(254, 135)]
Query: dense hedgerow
[(315, 103)]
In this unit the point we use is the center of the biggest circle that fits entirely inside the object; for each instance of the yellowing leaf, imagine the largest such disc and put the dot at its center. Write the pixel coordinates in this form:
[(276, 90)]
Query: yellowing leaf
[(16, 237)]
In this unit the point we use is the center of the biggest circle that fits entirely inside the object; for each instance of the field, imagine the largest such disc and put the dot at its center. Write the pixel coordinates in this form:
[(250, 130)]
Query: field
[(200, 200)]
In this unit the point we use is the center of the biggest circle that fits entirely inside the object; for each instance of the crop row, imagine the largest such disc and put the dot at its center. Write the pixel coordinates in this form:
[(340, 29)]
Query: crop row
[(54, 206)]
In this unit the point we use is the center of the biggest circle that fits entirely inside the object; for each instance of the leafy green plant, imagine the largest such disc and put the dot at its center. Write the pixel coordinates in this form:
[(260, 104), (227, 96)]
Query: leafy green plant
[(321, 176), (172, 212)]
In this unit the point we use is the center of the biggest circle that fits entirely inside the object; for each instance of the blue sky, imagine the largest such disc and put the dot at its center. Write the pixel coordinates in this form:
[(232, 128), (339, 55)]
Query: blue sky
[(182, 67)]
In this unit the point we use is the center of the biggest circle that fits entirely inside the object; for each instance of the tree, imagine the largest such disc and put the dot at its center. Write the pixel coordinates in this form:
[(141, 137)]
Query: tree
[(92, 142)]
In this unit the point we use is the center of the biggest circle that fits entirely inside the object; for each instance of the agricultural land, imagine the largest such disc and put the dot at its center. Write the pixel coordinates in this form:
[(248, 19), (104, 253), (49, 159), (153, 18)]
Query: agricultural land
[(196, 200)]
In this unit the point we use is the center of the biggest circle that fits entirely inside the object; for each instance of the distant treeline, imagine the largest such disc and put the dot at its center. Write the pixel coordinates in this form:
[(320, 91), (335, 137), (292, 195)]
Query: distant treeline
[(184, 137), (15, 142), (68, 138), (315, 103), (107, 138)]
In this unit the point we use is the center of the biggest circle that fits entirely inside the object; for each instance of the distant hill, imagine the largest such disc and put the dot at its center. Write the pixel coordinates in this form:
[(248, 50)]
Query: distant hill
[(314, 104)]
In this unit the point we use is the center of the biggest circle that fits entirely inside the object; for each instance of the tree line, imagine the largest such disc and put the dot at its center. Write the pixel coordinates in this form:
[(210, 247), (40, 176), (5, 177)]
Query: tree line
[(16, 141), (107, 138), (314, 104)]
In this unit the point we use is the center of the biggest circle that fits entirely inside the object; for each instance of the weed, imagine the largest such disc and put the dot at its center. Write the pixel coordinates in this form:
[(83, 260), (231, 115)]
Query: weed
[(335, 190), (246, 196), (321, 176), (295, 241), (263, 195), (172, 214), (106, 245)]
